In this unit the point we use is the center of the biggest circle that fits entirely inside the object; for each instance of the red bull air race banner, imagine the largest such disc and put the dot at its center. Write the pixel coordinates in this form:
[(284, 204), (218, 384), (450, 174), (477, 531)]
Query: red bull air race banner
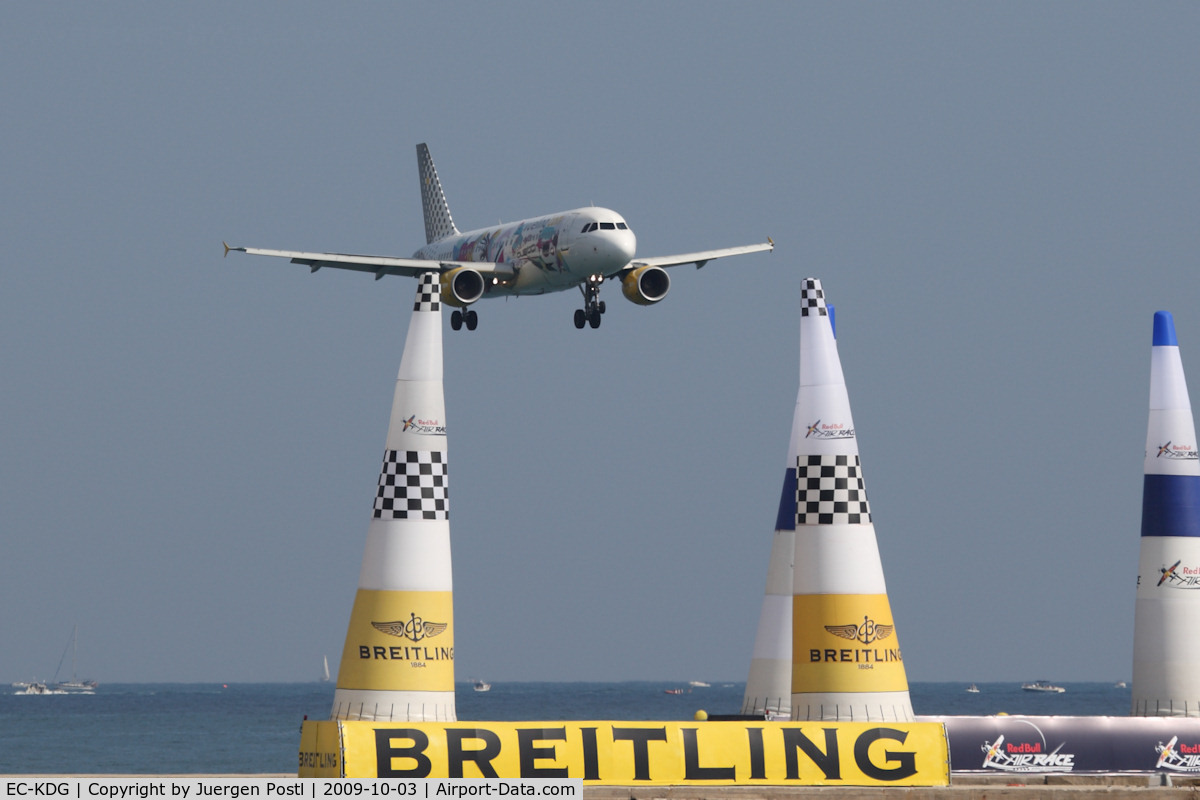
[(1042, 745)]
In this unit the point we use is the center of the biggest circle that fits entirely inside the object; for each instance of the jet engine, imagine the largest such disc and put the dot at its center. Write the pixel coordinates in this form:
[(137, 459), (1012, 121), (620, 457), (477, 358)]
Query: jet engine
[(646, 285), (461, 286)]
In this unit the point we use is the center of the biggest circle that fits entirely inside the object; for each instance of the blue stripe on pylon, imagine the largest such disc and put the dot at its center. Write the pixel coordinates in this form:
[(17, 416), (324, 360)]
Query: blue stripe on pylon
[(1171, 505), (786, 520)]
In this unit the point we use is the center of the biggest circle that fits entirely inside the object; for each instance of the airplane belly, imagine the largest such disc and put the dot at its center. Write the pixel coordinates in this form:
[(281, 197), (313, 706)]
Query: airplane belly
[(533, 280)]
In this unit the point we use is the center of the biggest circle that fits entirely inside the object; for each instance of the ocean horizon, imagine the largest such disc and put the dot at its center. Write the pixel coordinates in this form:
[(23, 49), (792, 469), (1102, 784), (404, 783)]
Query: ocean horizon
[(254, 728)]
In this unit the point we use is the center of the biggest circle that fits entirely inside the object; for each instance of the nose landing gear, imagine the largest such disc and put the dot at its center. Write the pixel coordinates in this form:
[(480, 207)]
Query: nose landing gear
[(593, 307)]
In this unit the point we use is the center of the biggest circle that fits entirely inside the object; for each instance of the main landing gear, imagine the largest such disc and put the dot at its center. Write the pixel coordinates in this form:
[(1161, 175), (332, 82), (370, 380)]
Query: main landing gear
[(457, 318), (593, 307)]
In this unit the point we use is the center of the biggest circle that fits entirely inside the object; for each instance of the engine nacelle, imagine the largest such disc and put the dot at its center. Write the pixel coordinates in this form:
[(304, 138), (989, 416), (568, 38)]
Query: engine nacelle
[(461, 286), (646, 285)]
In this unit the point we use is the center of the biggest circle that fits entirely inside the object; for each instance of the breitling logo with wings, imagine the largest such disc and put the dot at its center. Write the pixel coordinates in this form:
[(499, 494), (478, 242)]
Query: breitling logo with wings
[(866, 633), (414, 628)]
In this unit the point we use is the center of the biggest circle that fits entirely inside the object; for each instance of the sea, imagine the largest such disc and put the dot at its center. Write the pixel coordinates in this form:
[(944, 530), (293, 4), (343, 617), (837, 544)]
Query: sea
[(254, 728)]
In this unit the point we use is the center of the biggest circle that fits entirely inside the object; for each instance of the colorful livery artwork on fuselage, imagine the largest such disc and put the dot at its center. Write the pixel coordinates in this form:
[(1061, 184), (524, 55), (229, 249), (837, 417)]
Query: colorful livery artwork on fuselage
[(545, 254)]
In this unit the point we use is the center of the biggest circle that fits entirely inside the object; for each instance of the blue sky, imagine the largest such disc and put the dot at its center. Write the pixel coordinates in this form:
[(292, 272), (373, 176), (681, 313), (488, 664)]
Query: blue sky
[(997, 197)]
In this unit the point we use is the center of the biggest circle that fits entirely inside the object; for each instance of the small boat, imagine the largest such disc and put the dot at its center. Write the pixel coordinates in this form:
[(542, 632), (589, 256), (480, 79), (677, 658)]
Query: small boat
[(973, 689), (1042, 686), (79, 687), (482, 686), (39, 688), (698, 683), (1120, 685), (672, 691), (73, 686)]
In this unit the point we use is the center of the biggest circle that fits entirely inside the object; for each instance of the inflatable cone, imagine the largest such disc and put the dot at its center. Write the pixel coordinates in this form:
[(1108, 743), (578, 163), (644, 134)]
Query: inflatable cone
[(846, 662), (1166, 649), (769, 685), (398, 663)]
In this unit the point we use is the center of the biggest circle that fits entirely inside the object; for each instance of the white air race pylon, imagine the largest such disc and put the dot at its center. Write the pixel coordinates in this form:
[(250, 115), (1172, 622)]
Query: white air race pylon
[(769, 685), (398, 663), (1166, 645), (846, 662)]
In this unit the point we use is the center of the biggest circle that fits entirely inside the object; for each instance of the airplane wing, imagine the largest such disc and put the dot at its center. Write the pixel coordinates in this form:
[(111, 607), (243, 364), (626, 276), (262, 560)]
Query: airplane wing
[(701, 258), (378, 265)]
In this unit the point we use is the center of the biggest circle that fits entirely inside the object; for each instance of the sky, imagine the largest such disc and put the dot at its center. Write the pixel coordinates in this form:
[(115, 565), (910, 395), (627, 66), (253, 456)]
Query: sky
[(997, 197)]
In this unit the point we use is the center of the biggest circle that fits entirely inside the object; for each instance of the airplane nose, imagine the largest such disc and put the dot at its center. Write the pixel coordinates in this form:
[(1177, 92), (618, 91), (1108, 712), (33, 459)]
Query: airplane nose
[(617, 246), (628, 245)]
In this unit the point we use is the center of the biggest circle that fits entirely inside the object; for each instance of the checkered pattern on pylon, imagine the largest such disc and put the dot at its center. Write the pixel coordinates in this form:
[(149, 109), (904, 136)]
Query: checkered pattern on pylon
[(412, 485), (428, 292), (812, 298), (830, 490)]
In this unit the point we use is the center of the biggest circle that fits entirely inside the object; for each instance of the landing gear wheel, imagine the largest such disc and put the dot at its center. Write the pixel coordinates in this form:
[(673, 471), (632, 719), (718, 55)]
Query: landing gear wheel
[(471, 318), (593, 306), (456, 320)]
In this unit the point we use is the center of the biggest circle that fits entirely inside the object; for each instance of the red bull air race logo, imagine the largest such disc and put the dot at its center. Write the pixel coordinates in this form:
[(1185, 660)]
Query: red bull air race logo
[(1179, 577), (1028, 753), (829, 430), (1177, 452), (427, 427), (1177, 756)]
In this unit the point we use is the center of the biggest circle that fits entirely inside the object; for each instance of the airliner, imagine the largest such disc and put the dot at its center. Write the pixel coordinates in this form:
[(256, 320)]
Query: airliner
[(579, 248)]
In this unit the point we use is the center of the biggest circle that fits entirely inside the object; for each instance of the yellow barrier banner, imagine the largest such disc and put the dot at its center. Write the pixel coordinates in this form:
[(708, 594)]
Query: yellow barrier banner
[(320, 750), (641, 753)]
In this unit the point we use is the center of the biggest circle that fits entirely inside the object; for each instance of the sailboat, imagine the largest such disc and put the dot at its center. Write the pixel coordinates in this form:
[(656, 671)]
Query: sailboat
[(325, 676), (74, 686)]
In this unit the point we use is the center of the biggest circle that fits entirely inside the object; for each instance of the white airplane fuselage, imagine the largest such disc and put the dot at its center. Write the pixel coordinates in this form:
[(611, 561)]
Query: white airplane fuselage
[(549, 254)]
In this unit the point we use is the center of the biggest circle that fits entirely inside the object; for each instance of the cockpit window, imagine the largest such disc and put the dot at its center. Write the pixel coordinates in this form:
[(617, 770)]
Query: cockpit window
[(604, 226)]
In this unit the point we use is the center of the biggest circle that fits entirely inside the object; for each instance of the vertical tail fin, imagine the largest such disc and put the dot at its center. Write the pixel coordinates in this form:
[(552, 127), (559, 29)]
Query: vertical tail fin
[(438, 223)]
